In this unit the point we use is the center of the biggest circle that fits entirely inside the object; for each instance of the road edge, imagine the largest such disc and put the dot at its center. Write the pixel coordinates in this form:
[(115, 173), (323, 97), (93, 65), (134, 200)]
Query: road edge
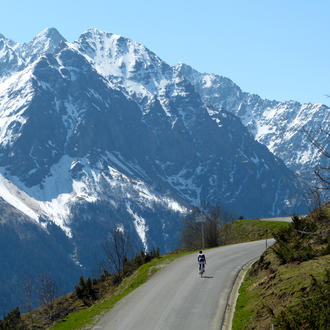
[(232, 298)]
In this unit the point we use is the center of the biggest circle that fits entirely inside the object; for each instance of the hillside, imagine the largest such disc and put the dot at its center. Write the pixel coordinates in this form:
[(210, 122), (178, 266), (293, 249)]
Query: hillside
[(240, 231), (289, 287)]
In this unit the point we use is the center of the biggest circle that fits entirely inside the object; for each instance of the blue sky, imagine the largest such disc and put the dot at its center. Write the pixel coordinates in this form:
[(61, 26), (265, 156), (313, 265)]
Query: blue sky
[(278, 49)]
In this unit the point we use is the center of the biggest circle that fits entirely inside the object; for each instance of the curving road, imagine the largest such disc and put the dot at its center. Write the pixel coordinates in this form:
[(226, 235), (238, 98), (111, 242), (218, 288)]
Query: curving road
[(176, 298)]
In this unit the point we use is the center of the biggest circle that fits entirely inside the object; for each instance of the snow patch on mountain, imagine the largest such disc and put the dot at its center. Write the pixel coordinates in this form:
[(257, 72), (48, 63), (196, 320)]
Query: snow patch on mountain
[(56, 195), (124, 62), (15, 94), (18, 199), (185, 183), (140, 226)]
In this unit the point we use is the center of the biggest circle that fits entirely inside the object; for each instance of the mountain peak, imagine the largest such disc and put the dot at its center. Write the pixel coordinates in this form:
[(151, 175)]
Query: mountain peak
[(49, 34), (94, 33), (5, 41), (182, 68), (47, 41), (117, 56)]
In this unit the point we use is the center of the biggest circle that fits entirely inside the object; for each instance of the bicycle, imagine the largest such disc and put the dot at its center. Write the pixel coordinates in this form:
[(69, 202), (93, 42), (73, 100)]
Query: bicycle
[(201, 268), (201, 261)]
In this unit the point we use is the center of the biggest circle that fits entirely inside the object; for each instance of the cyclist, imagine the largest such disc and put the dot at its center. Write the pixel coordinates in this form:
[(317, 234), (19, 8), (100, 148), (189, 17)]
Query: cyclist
[(201, 261)]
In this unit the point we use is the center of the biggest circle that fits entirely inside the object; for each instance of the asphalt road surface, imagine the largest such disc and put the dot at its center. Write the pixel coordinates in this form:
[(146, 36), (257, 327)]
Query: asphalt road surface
[(177, 298), (281, 219)]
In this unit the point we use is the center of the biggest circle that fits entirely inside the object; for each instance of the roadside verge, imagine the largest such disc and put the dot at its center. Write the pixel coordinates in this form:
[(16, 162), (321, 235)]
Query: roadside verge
[(232, 299)]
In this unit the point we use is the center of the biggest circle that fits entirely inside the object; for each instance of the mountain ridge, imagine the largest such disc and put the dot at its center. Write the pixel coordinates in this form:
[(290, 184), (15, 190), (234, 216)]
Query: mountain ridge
[(221, 93), (176, 105), (133, 148)]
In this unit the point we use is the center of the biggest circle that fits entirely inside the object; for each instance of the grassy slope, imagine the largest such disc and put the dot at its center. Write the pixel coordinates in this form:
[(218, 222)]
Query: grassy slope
[(265, 295), (241, 231), (272, 289)]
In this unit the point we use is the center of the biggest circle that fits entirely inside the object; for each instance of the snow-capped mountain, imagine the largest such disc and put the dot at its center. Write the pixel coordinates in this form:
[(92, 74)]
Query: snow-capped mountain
[(281, 126), (101, 133), (15, 56)]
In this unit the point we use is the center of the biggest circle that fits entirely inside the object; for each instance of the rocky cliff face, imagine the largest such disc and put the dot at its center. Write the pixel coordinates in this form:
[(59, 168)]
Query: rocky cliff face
[(281, 126)]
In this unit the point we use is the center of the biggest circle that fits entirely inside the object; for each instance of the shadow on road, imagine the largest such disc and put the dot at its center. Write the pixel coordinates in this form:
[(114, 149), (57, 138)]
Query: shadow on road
[(207, 276)]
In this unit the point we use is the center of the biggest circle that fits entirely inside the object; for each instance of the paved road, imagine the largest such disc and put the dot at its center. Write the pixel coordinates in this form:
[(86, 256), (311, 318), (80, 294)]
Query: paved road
[(176, 298), (281, 219)]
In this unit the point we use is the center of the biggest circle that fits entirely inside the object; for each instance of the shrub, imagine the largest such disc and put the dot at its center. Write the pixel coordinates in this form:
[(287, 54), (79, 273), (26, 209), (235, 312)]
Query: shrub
[(314, 310), (12, 321), (104, 276), (303, 226), (293, 242), (116, 279), (326, 250), (85, 291), (131, 265)]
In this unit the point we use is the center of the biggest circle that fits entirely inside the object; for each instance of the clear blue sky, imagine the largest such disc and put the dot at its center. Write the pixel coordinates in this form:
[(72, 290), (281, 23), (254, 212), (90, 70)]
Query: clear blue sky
[(279, 49)]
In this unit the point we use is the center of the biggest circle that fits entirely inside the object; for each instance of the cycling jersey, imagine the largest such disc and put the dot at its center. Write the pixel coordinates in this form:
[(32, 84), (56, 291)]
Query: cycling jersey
[(201, 258)]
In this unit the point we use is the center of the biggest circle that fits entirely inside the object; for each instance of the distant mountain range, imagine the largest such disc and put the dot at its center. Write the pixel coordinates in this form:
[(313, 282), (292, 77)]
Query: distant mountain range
[(101, 133)]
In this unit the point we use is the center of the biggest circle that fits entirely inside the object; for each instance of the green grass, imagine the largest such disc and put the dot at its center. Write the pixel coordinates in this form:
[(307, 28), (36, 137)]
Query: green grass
[(241, 231), (89, 316), (263, 295), (270, 225), (244, 306)]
